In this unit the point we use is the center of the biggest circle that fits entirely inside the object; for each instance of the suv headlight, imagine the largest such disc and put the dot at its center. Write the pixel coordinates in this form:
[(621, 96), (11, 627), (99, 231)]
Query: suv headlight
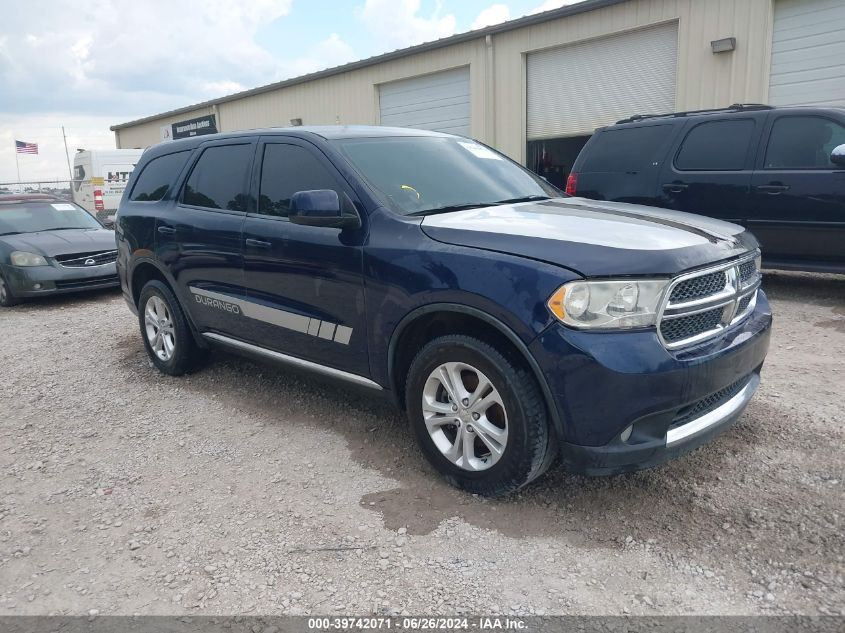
[(608, 304), (22, 258)]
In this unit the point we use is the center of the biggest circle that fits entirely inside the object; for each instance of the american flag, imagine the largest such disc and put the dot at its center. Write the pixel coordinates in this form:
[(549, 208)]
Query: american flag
[(26, 148)]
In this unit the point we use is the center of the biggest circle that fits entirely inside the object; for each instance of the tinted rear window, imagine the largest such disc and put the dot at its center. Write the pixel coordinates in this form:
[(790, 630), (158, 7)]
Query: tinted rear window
[(218, 180), (157, 177), (716, 146), (625, 149)]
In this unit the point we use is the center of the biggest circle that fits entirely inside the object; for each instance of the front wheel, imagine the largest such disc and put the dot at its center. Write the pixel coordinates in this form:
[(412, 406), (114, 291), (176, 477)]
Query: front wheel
[(165, 330), (478, 417), (7, 299)]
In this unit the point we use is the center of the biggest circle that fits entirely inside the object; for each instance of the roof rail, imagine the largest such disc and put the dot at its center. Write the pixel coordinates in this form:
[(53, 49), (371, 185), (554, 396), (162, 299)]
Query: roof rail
[(736, 107)]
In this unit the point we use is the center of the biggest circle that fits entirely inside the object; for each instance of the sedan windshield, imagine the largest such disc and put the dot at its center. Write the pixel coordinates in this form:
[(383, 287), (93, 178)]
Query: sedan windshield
[(419, 175), (31, 217)]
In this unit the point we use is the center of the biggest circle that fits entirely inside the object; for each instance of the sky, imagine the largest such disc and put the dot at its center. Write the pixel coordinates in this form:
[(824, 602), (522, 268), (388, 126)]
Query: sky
[(89, 65)]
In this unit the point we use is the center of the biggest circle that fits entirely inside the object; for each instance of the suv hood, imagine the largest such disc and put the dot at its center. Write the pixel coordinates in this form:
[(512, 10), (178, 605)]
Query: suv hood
[(64, 242), (593, 238)]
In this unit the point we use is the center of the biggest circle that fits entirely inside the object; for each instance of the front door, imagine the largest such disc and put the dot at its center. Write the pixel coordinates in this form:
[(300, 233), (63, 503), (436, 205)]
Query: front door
[(200, 238), (797, 206), (304, 284), (710, 172)]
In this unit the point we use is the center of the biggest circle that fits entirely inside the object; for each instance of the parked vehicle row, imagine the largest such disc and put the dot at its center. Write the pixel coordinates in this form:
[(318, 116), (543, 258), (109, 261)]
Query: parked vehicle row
[(780, 172), (513, 324)]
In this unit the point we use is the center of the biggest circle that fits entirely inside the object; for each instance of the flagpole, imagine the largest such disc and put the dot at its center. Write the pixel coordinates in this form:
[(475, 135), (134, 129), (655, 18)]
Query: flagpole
[(67, 156), (17, 164)]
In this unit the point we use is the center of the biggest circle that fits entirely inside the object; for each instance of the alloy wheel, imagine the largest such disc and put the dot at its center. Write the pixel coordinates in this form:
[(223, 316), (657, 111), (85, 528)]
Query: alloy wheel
[(159, 328), (465, 416)]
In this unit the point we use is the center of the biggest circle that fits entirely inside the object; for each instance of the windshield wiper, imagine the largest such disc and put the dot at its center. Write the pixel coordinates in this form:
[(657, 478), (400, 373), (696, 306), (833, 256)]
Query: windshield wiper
[(12, 233), (522, 199), (453, 207), (478, 205)]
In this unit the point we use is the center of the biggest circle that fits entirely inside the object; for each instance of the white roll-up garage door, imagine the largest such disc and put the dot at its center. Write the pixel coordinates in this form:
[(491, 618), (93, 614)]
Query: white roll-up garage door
[(574, 89), (808, 53), (439, 102)]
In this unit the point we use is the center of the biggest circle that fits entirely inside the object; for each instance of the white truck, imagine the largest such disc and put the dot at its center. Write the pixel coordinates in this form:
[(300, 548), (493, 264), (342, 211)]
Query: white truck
[(99, 178)]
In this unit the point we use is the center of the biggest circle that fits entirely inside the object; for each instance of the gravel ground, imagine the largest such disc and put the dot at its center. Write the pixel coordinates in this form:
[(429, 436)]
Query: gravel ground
[(245, 488)]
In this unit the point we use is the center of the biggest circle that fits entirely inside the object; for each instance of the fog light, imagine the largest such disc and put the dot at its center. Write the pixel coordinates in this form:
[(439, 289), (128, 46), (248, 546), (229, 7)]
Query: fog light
[(626, 433), (36, 287)]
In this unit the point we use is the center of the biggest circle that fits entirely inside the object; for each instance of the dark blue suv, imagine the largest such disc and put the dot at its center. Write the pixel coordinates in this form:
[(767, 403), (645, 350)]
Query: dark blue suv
[(514, 324)]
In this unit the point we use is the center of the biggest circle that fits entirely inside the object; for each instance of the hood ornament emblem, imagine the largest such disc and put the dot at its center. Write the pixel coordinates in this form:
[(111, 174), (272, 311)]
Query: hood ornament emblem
[(90, 262)]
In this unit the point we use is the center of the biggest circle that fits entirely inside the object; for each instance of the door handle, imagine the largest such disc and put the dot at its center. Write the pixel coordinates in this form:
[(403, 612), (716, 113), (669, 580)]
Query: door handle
[(675, 187), (166, 230), (257, 243), (772, 189)]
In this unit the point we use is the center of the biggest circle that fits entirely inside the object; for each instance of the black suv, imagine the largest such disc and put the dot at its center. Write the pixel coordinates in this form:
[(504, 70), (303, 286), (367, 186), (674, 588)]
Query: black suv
[(780, 172)]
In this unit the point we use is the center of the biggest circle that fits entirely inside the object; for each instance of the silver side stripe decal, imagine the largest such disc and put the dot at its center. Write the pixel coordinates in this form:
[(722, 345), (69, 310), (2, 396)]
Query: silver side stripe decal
[(288, 320)]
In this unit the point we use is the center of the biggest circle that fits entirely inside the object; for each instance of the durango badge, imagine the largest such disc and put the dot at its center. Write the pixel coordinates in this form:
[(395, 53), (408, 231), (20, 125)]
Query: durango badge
[(217, 303)]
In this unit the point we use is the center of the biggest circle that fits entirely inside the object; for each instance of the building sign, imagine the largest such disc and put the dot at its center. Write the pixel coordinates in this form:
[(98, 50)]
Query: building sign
[(195, 127), (166, 132)]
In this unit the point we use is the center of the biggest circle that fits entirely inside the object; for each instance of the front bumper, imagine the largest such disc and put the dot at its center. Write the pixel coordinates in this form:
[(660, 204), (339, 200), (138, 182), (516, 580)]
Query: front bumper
[(38, 281), (605, 384)]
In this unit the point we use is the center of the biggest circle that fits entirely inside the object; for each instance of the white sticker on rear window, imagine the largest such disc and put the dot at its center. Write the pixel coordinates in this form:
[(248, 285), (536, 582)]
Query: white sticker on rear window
[(480, 151), (63, 207)]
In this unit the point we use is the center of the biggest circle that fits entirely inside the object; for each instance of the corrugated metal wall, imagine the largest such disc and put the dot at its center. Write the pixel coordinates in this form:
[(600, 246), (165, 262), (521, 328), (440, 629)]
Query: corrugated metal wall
[(703, 79)]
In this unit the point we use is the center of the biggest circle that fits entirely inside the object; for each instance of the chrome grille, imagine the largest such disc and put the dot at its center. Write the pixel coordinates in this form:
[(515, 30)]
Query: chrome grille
[(703, 303), (698, 287), (674, 330), (86, 260), (747, 270)]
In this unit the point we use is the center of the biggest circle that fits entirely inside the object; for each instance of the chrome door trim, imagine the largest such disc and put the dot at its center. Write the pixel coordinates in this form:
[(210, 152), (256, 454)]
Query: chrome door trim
[(292, 360)]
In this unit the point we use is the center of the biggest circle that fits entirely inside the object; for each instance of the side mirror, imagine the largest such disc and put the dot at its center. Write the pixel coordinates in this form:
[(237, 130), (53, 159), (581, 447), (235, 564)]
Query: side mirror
[(320, 207), (837, 156)]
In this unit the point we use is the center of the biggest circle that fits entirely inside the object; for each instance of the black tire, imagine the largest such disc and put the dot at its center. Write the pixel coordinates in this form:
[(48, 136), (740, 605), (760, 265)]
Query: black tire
[(185, 355), (7, 299), (530, 448)]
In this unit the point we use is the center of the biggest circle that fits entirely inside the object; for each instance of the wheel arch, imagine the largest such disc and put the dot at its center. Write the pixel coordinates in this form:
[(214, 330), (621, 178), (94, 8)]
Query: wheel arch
[(415, 327), (145, 270)]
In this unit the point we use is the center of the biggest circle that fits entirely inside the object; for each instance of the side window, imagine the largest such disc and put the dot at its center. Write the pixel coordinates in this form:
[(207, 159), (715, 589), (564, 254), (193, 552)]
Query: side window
[(219, 179), (157, 177), (287, 169), (626, 149), (716, 146), (803, 142)]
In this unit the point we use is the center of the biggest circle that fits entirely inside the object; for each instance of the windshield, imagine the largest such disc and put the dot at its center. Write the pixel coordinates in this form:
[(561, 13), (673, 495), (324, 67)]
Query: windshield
[(425, 174), (30, 217)]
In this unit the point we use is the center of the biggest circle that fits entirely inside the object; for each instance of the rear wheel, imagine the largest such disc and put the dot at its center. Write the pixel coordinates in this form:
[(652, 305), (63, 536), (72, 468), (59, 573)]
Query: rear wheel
[(478, 417), (165, 330), (7, 299)]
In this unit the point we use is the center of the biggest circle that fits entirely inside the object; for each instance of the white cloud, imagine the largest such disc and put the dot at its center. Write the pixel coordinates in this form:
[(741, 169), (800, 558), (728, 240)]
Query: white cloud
[(494, 14), (397, 24), (330, 52), (89, 65), (83, 131), (548, 5)]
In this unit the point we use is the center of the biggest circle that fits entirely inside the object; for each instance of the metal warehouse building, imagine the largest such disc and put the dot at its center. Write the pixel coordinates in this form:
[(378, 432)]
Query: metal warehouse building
[(536, 87)]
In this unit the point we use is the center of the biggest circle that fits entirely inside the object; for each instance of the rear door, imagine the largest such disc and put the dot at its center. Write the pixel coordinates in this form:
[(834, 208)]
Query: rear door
[(797, 206), (200, 239), (304, 284), (710, 170)]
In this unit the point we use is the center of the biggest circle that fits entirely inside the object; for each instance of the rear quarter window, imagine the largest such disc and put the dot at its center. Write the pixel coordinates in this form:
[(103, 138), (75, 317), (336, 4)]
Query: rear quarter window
[(626, 149), (157, 176)]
